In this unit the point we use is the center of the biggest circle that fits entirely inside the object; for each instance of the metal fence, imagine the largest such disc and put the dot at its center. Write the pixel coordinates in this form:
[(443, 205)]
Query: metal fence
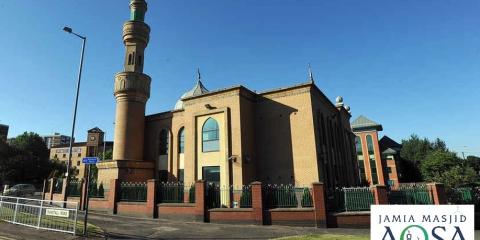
[(463, 195), (133, 191), (416, 194), (174, 192), (350, 199), (228, 196), (287, 196), (96, 190), (74, 188), (40, 214)]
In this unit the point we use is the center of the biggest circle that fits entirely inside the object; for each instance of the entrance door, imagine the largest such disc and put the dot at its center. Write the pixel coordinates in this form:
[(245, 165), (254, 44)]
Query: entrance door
[(212, 175)]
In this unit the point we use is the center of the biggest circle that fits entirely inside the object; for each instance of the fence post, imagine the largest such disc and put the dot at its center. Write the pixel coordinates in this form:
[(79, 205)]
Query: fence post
[(257, 202), (113, 195), (40, 215), (318, 197), (83, 193), (52, 182), (438, 193), (200, 203), (64, 192), (380, 194), (45, 182), (152, 197)]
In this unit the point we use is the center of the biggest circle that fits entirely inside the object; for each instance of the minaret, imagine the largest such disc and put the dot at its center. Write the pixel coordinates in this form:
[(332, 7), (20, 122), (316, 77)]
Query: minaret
[(132, 88)]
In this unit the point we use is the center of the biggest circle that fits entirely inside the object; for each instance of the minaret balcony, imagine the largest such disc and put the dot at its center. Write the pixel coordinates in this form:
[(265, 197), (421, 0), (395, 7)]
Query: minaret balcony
[(136, 32), (132, 83)]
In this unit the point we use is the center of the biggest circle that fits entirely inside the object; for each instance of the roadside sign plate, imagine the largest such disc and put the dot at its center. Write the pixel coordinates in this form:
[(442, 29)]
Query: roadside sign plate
[(90, 160), (57, 212)]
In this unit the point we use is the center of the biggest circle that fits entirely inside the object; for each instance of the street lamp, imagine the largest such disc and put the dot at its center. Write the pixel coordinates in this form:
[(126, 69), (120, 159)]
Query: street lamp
[(84, 39)]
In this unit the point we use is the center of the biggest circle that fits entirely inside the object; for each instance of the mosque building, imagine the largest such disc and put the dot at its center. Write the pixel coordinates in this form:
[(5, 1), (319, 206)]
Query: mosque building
[(231, 136)]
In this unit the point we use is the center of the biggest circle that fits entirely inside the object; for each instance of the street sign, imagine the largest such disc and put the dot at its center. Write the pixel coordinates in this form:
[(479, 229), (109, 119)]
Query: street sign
[(57, 212), (90, 160)]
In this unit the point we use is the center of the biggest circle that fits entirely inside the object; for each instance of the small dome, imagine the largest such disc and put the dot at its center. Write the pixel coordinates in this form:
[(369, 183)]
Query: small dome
[(347, 108), (197, 90), (339, 99)]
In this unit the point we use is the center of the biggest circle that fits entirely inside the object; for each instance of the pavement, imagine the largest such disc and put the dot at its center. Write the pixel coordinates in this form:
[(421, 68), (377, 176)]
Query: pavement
[(120, 227)]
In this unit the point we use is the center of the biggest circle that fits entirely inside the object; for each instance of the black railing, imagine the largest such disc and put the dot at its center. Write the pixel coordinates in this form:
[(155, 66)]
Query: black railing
[(133, 191), (74, 188)]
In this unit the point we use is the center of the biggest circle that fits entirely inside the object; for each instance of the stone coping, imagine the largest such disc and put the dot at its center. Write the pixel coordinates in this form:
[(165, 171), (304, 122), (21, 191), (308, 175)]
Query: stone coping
[(230, 210), (176, 205), (132, 203), (97, 199), (291, 209), (350, 213)]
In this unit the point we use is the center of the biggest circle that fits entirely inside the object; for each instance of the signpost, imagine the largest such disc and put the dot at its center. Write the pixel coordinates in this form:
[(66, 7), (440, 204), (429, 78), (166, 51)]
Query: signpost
[(88, 161)]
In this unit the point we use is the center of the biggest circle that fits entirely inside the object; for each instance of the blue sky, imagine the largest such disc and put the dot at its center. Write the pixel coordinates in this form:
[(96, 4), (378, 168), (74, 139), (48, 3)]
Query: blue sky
[(413, 66)]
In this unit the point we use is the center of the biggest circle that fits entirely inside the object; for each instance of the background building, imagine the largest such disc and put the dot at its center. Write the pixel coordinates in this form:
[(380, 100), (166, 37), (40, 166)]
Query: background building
[(56, 140), (377, 160), (3, 132), (92, 147)]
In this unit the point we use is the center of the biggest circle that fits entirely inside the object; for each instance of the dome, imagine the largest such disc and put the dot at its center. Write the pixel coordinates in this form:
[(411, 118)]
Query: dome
[(197, 90), (339, 99)]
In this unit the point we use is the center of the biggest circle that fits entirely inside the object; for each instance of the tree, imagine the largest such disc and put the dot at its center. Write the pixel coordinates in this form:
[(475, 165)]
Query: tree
[(26, 159), (474, 162), (413, 153), (446, 167)]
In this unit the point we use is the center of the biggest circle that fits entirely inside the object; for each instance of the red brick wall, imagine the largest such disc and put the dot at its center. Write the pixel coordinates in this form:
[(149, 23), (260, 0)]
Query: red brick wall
[(232, 215), (179, 211), (349, 220), (138, 209), (99, 204), (291, 217)]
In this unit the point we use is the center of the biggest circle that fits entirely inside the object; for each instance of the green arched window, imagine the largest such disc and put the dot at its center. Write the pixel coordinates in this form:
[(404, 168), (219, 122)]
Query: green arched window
[(181, 140), (361, 159), (210, 136), (371, 156)]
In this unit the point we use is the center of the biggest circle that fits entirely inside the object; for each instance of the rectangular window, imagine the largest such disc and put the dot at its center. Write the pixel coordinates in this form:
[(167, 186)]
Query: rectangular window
[(389, 170), (78, 163), (180, 175)]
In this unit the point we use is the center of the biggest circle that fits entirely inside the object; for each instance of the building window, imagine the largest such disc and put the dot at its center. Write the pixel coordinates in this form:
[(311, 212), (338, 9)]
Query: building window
[(79, 154), (371, 154), (358, 145), (181, 140), (78, 163), (64, 155), (55, 157), (389, 170), (180, 175), (163, 142), (210, 136)]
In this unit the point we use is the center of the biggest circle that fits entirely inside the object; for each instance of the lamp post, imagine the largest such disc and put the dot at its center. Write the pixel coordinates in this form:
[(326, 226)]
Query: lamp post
[(84, 39)]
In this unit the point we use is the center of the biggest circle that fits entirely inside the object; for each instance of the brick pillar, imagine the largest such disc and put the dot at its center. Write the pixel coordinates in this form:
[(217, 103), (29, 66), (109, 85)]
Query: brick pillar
[(380, 194), (113, 195), (320, 208), (200, 203), (438, 194), (152, 198), (257, 203)]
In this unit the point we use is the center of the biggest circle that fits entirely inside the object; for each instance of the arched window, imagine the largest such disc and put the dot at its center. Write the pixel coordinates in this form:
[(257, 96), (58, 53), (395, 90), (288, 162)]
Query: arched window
[(130, 59), (358, 145), (371, 154), (210, 136), (163, 142), (181, 140), (361, 159)]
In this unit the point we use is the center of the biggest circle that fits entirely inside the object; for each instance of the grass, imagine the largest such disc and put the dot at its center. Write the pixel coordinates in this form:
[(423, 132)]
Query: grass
[(6, 214), (326, 237)]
